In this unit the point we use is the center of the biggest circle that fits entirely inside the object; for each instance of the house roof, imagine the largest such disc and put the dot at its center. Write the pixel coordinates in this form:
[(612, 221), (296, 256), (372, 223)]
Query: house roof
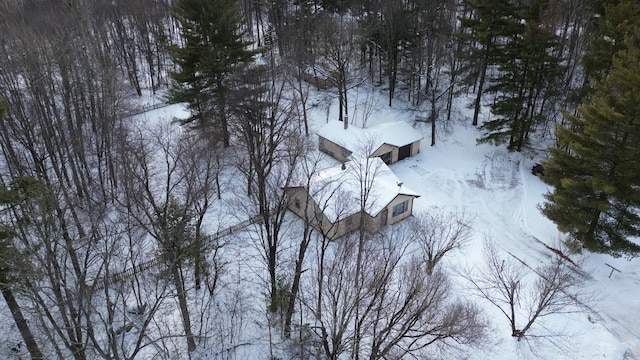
[(337, 191), (397, 133)]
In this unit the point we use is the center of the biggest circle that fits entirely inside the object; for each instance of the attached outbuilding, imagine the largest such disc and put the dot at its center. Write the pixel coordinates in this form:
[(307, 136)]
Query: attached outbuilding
[(391, 141), (330, 200)]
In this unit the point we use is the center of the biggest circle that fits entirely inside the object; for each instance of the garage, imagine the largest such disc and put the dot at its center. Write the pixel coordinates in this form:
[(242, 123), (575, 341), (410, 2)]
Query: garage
[(404, 152)]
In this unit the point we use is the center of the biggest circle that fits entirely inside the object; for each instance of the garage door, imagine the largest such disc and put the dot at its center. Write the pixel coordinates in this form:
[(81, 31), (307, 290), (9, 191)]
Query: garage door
[(405, 152)]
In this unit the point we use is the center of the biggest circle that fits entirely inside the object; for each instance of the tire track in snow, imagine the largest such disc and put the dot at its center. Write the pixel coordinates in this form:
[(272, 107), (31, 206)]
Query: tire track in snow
[(513, 235), (628, 334), (497, 191), (505, 175), (448, 186)]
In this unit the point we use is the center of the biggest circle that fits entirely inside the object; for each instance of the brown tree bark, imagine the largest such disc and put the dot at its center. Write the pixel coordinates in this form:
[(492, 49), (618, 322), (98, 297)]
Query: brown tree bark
[(21, 322)]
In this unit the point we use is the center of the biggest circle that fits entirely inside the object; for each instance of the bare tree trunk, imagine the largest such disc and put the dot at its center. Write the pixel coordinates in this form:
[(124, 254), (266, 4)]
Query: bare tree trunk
[(297, 274), (433, 118), (483, 74), (500, 282), (178, 282), (21, 322), (222, 109)]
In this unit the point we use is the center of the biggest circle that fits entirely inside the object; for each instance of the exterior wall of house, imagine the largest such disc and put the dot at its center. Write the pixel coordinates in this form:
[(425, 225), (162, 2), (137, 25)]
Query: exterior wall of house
[(415, 148), (342, 154), (395, 151), (398, 200), (385, 148), (346, 226), (297, 202), (389, 213), (303, 206), (334, 150)]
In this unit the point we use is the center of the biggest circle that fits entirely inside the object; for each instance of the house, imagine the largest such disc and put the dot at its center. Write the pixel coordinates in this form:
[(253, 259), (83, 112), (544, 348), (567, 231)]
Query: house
[(391, 142), (330, 199)]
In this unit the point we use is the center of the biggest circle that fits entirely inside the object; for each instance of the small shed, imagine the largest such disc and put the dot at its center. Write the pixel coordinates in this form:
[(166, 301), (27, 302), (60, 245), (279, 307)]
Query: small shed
[(330, 199), (391, 141)]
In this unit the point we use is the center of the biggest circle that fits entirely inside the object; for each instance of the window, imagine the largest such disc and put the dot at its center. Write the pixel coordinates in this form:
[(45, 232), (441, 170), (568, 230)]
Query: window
[(345, 152), (401, 208), (321, 142)]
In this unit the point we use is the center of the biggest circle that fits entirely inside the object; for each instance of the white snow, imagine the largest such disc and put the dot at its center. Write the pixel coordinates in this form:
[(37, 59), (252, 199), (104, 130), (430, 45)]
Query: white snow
[(338, 190), (396, 133), (493, 186), (497, 188)]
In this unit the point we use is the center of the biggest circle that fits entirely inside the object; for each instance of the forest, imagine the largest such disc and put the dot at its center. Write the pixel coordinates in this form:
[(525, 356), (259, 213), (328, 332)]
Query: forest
[(118, 236)]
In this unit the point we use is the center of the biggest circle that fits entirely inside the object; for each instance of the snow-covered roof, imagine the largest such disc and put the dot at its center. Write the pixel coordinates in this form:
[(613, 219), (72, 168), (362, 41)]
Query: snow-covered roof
[(397, 133), (337, 190)]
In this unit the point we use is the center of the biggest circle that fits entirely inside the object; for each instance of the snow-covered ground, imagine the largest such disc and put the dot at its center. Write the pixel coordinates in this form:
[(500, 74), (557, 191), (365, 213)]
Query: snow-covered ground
[(497, 189), (494, 187)]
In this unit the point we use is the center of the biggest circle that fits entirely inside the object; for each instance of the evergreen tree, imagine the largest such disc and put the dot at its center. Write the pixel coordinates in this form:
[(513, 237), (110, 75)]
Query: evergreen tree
[(614, 23), (176, 235), (14, 264), (212, 48), (529, 71), (484, 30), (3, 108), (596, 169)]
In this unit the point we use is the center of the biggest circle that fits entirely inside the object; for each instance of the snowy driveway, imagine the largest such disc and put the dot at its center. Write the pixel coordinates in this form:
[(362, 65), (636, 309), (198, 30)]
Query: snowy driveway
[(498, 189)]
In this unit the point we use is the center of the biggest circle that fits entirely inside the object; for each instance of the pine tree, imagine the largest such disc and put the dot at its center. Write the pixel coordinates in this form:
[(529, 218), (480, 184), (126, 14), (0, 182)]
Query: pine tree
[(178, 246), (484, 29), (614, 23), (596, 169), (212, 48), (529, 71), (14, 264)]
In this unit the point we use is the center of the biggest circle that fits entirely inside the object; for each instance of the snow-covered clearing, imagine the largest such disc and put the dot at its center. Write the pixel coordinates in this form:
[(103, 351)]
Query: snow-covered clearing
[(491, 185), (497, 188)]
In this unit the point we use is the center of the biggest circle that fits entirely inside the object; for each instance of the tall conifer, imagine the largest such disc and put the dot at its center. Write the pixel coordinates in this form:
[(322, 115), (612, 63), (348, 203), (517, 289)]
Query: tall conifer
[(613, 25), (211, 48), (485, 29), (528, 75), (596, 169)]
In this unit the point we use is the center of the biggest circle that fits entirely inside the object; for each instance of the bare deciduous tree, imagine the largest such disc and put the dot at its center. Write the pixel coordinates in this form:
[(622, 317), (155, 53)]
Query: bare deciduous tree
[(332, 299), (124, 307), (324, 205), (438, 232), (65, 110), (168, 190), (308, 169), (338, 52), (364, 170), (264, 121), (396, 310), (501, 280)]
